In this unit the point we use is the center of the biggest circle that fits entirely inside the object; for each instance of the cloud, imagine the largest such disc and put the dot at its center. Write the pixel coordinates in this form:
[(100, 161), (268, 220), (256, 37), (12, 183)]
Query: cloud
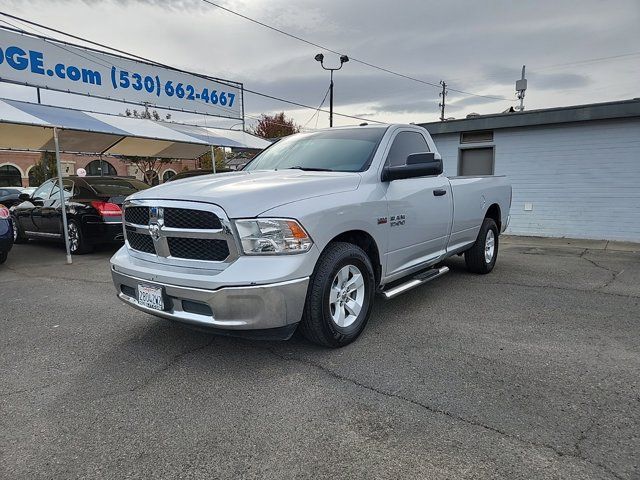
[(474, 46)]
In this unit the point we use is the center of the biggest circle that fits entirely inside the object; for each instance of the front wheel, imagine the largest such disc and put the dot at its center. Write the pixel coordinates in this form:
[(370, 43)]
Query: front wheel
[(340, 296), (481, 257), (3, 257)]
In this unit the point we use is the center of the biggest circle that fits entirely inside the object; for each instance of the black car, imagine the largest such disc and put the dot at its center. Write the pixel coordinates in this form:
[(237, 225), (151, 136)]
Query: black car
[(9, 196), (93, 211), (6, 233)]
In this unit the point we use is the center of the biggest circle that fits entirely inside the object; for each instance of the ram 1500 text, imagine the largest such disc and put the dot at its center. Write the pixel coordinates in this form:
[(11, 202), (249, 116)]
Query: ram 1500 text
[(307, 234)]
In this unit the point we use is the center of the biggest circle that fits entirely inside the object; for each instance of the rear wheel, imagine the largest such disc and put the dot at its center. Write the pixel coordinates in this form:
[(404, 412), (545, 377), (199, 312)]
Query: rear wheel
[(340, 296), (77, 243), (3, 257), (481, 257), (18, 235)]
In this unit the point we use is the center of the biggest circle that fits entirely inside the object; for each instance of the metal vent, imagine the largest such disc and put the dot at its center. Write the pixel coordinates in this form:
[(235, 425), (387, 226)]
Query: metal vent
[(137, 215), (198, 248), (141, 242), (186, 218)]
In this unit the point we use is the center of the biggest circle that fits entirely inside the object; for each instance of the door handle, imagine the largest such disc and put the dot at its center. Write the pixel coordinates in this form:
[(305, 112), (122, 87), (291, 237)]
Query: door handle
[(439, 192)]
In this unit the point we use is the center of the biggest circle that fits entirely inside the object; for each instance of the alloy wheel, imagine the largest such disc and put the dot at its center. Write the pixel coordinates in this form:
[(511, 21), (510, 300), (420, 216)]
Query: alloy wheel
[(74, 237), (489, 246), (347, 295)]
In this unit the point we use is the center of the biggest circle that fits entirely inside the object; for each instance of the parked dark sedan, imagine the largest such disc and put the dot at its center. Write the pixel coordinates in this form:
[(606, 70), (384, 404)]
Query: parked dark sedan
[(6, 233), (93, 211), (9, 196)]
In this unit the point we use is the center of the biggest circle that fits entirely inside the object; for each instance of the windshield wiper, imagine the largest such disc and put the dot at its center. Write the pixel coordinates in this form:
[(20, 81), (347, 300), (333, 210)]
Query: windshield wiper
[(309, 169)]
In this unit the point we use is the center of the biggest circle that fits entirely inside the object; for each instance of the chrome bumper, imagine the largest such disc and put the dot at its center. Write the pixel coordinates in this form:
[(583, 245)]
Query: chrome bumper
[(254, 307)]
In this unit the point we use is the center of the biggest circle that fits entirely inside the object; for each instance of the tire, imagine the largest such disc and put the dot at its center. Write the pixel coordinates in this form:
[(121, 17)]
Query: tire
[(481, 257), (3, 257), (77, 243), (18, 234), (328, 317)]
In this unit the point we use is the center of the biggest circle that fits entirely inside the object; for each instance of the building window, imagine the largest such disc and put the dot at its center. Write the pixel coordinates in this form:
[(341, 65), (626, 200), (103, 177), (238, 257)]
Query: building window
[(10, 176), (168, 175), (476, 161), (477, 136), (99, 168), (33, 179)]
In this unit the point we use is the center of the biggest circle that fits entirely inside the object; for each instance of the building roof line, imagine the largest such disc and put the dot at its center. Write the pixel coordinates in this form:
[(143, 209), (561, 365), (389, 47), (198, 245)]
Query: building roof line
[(547, 116)]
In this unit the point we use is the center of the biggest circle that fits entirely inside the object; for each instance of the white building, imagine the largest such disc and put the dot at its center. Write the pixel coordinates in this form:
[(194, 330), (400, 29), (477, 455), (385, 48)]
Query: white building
[(575, 170)]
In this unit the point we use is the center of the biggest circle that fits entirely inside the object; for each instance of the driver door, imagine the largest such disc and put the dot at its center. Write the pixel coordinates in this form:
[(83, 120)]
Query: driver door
[(420, 210), (29, 213)]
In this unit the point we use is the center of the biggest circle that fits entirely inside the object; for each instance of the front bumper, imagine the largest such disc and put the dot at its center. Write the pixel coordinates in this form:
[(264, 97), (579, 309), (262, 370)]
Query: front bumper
[(254, 307)]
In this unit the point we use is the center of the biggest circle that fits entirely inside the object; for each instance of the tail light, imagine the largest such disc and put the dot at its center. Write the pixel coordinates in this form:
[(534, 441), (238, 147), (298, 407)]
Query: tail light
[(4, 212), (106, 209)]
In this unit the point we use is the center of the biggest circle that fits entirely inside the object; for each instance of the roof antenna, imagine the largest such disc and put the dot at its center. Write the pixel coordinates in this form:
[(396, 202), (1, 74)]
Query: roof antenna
[(521, 87)]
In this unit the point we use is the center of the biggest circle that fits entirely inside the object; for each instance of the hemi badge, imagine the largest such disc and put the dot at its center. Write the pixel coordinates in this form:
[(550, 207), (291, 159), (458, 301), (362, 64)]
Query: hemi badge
[(382, 220)]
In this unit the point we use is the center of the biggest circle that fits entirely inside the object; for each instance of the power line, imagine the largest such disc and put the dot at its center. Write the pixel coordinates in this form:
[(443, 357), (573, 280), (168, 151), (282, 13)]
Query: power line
[(317, 112), (153, 62), (353, 59)]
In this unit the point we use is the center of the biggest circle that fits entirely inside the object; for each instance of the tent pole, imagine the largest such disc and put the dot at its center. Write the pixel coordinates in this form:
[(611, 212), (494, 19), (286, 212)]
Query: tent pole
[(63, 207), (213, 160)]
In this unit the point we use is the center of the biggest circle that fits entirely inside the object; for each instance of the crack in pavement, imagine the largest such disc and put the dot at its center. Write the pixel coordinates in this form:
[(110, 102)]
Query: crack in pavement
[(614, 273), (154, 374), (440, 411), (172, 361)]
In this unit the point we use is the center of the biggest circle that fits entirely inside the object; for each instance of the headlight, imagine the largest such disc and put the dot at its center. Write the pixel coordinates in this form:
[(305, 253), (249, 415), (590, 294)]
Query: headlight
[(272, 236)]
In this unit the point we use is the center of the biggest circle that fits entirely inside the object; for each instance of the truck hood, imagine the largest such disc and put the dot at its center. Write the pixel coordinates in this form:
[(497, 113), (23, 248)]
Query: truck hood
[(248, 194)]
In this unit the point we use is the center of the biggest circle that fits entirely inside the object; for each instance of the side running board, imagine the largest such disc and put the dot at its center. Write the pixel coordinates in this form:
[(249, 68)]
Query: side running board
[(416, 281)]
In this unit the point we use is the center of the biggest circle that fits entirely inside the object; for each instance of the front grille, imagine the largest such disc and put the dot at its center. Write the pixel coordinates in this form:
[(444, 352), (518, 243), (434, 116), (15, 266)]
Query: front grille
[(198, 248), (141, 242), (187, 218), (137, 215)]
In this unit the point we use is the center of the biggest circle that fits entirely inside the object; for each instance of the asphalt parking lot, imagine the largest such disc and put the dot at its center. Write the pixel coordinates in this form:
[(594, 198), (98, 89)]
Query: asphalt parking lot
[(530, 372)]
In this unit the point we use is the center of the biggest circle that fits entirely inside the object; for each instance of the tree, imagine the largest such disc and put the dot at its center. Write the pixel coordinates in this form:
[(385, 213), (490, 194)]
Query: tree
[(45, 169), (205, 160), (148, 165), (275, 126), (146, 113)]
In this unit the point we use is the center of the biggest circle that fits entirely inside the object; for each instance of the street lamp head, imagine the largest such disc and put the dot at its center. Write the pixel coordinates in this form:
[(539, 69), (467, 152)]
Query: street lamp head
[(344, 59), (319, 57)]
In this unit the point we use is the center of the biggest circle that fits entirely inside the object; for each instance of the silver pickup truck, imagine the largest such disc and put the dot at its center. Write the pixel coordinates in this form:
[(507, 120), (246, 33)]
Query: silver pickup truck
[(307, 234)]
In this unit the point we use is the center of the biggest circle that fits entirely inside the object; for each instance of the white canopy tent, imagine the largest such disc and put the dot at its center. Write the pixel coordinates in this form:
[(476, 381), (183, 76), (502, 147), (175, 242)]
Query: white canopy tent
[(34, 127), (29, 126)]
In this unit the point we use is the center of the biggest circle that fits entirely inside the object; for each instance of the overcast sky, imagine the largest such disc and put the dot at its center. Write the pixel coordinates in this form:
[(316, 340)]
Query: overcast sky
[(475, 46)]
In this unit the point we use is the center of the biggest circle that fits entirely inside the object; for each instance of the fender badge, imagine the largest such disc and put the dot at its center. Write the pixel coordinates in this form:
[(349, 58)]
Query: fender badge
[(382, 220)]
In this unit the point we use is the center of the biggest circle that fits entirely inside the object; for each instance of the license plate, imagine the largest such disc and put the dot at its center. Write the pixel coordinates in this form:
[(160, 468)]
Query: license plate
[(151, 297)]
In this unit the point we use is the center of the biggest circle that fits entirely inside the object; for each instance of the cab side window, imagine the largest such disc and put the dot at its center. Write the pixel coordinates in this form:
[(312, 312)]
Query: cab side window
[(404, 145)]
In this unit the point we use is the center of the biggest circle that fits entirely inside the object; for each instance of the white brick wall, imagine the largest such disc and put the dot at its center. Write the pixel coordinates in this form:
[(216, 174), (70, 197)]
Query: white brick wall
[(583, 179)]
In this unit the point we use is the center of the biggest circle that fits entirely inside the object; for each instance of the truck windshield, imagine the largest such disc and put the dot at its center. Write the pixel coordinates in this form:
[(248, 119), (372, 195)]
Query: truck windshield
[(340, 150)]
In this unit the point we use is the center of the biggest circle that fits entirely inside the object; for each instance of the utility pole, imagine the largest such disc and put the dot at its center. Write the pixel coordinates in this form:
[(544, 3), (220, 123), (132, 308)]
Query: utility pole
[(331, 101), (521, 87), (443, 94)]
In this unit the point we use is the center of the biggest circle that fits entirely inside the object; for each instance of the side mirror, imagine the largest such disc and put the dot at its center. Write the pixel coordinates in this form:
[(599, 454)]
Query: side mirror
[(418, 165), (23, 197)]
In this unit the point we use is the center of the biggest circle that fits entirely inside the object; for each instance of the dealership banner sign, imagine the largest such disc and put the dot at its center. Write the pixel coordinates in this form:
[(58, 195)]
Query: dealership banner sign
[(47, 63)]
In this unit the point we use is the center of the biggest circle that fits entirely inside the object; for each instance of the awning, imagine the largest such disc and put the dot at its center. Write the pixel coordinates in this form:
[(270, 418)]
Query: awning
[(29, 126)]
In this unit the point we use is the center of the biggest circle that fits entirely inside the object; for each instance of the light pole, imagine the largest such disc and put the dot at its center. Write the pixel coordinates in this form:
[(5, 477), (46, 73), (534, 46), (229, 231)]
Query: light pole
[(343, 59)]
